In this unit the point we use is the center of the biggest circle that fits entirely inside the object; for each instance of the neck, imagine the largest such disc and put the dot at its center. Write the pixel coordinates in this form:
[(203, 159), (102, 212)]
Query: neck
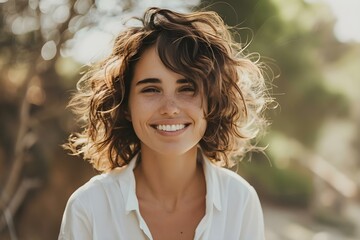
[(168, 178)]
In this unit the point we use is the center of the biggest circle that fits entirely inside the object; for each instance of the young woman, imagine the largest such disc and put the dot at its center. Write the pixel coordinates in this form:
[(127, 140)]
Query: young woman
[(176, 99)]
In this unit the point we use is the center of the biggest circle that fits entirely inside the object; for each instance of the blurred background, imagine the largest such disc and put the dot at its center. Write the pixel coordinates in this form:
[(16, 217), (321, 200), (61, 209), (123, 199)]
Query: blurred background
[(308, 180)]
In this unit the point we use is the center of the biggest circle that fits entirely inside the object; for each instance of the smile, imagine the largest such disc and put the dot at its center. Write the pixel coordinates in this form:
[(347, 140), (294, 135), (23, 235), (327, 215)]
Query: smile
[(170, 128)]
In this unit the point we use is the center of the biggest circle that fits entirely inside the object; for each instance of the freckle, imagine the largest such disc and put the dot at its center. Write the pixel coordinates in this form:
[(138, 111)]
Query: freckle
[(181, 232)]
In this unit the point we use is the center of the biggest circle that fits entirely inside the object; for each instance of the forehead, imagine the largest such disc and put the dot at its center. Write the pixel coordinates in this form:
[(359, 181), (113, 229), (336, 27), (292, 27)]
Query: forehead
[(149, 65)]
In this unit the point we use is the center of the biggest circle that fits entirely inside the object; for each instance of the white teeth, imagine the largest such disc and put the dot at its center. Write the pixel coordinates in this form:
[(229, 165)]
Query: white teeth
[(170, 128)]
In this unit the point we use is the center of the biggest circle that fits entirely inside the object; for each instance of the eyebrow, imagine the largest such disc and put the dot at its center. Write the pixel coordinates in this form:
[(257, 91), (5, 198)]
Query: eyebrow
[(156, 80), (148, 80)]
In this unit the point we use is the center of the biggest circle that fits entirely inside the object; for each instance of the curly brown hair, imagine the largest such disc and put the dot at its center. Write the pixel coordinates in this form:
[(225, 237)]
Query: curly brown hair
[(198, 46)]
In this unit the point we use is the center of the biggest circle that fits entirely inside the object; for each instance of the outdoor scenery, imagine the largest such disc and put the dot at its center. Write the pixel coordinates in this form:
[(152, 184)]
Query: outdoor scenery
[(308, 179)]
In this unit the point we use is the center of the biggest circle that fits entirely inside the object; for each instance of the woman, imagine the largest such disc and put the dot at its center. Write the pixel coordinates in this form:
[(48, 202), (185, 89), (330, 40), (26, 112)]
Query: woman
[(174, 100)]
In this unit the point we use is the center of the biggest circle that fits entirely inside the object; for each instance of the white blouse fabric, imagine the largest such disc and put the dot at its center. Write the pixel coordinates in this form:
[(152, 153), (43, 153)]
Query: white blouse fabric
[(106, 208)]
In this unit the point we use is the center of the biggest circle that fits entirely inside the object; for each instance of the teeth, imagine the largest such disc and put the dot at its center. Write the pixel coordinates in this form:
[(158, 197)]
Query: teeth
[(170, 128)]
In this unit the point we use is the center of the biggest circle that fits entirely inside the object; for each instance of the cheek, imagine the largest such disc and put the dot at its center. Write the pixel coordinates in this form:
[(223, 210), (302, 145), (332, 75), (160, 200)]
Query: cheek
[(135, 111), (204, 125), (137, 123), (134, 106), (200, 114), (203, 108), (199, 102), (140, 112)]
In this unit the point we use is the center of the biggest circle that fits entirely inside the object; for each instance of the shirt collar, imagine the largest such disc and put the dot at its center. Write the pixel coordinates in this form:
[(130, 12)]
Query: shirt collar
[(129, 186), (212, 185)]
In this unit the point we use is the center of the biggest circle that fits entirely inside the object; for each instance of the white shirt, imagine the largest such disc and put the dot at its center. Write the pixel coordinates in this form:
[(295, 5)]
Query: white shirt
[(106, 208)]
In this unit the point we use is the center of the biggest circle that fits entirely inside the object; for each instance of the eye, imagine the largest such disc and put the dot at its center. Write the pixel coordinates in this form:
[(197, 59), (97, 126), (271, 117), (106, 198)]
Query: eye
[(187, 88), (150, 90)]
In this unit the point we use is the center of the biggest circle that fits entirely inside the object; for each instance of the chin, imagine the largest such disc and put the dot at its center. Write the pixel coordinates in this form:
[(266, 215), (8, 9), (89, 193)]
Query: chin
[(175, 149)]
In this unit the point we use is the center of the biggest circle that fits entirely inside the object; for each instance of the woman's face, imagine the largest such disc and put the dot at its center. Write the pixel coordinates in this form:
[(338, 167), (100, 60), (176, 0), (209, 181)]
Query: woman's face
[(167, 115)]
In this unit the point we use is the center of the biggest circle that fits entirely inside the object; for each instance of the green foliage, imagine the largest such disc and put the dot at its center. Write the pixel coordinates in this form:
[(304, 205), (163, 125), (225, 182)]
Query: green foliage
[(289, 186), (304, 101)]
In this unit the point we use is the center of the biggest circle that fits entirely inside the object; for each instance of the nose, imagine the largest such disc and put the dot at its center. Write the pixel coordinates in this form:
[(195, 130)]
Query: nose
[(169, 107)]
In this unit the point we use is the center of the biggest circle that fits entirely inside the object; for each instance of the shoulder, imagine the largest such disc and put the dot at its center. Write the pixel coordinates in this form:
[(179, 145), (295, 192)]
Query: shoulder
[(232, 184), (97, 185), (237, 202), (230, 177)]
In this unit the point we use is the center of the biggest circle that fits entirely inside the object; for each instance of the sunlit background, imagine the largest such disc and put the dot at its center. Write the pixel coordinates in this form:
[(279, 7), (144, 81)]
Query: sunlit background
[(308, 179)]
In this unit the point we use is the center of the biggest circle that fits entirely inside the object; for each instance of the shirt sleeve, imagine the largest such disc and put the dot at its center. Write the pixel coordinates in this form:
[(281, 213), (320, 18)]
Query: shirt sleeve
[(75, 223), (253, 225)]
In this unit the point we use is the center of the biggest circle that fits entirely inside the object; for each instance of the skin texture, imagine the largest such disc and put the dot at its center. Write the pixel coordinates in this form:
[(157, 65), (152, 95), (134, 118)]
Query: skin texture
[(170, 184), (159, 96)]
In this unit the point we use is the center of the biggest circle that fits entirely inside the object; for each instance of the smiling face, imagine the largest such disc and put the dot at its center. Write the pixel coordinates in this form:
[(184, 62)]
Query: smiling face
[(165, 109)]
